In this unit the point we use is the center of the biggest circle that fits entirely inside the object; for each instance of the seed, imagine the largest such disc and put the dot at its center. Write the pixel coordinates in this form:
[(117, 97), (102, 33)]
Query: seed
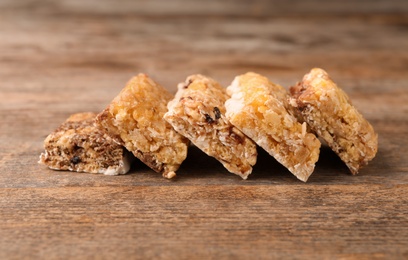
[(208, 118), (75, 160), (217, 113)]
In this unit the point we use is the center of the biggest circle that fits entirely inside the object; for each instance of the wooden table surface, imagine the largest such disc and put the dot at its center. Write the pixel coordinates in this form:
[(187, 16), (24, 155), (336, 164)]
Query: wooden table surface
[(63, 57)]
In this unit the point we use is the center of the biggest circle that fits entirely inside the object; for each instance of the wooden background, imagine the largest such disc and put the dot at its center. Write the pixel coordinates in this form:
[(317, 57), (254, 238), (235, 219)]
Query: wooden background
[(63, 57)]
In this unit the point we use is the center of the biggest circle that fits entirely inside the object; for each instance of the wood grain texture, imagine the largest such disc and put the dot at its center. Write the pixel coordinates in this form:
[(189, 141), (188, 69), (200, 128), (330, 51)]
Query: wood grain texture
[(63, 57)]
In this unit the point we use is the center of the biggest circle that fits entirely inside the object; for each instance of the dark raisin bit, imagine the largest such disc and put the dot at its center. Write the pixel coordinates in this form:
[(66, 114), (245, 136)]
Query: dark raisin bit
[(217, 113), (236, 135), (186, 84), (301, 107), (75, 160), (208, 118), (182, 98)]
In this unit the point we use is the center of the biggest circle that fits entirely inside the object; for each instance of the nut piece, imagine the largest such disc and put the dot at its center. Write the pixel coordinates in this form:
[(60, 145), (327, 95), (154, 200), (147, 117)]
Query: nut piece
[(260, 109), (328, 111), (78, 145), (198, 113), (135, 119)]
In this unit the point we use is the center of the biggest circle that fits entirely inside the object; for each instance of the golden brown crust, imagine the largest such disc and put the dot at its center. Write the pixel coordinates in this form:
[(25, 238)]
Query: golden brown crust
[(261, 110), (198, 113), (135, 119), (77, 145), (328, 111)]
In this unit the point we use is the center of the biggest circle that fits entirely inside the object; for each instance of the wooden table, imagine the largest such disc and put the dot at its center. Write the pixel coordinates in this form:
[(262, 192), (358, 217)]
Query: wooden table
[(63, 57)]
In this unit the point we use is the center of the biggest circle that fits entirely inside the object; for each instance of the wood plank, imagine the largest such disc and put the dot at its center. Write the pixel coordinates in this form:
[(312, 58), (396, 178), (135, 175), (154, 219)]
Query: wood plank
[(181, 7), (233, 221)]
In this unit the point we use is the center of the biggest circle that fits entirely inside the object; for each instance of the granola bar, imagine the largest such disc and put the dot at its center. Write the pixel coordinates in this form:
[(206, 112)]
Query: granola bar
[(135, 119), (198, 113), (78, 145), (260, 109), (329, 112)]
